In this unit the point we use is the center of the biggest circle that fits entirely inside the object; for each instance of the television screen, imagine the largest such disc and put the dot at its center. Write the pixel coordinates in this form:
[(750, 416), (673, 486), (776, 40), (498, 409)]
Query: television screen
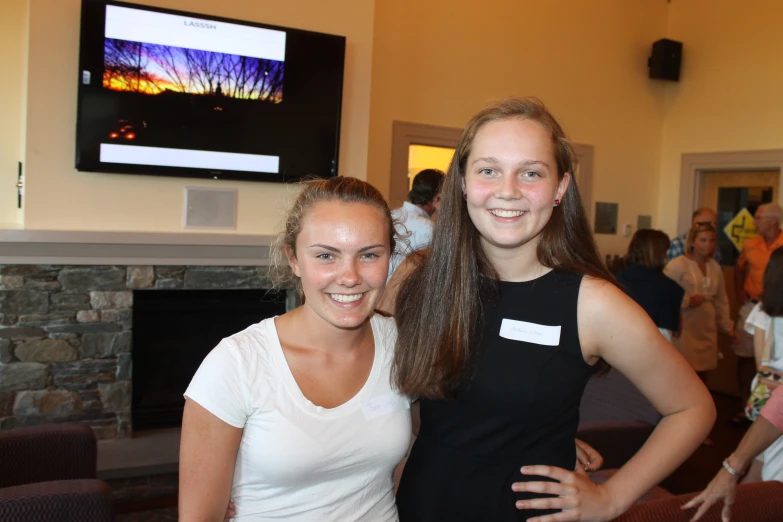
[(178, 94)]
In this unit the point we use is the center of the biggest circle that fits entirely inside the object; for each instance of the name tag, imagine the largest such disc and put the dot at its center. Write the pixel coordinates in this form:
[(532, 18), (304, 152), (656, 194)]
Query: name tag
[(380, 406), (530, 332)]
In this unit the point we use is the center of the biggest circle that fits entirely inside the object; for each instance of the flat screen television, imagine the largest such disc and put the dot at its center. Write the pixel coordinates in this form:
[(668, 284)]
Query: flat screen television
[(171, 93)]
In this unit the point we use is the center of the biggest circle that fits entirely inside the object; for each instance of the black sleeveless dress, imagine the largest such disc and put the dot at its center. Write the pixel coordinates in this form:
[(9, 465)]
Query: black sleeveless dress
[(519, 406)]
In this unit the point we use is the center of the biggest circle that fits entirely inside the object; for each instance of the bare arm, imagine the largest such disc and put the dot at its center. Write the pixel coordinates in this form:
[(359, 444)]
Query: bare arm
[(759, 340), (725, 324), (207, 456), (757, 439), (676, 271), (629, 341), (723, 486)]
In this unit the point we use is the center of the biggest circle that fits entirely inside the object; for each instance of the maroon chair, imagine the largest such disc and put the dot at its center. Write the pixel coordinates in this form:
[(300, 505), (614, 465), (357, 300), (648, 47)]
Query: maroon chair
[(48, 473), (615, 418), (757, 502), (616, 441)]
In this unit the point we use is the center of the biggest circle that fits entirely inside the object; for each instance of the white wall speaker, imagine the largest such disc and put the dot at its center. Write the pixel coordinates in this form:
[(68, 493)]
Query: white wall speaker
[(210, 208)]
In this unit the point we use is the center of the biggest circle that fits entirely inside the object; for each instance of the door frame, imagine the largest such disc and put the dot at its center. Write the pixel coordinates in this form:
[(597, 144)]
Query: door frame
[(695, 166), (405, 134), (584, 157)]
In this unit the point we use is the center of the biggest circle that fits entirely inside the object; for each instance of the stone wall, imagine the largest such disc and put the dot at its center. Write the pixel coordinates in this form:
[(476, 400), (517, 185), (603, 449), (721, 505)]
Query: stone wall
[(65, 338)]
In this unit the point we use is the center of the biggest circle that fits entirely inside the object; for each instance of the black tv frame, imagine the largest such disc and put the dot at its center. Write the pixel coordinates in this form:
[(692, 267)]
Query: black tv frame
[(284, 175)]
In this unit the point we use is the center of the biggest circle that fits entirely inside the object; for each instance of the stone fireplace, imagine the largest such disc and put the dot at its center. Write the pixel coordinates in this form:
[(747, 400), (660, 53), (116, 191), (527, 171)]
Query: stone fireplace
[(66, 330), (173, 330)]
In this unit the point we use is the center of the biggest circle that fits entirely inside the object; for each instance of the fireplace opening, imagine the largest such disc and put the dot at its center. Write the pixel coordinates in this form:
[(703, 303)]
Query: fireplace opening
[(173, 330)]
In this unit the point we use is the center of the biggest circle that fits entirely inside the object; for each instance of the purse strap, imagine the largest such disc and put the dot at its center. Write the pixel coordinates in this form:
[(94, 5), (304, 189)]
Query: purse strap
[(769, 339)]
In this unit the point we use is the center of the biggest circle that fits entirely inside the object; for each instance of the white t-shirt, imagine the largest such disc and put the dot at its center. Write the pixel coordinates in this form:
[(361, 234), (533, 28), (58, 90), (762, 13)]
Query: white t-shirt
[(757, 318), (298, 461), (417, 232)]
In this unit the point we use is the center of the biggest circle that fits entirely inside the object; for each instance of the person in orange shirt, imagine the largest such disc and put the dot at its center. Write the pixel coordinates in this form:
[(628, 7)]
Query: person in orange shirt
[(748, 283), (753, 260)]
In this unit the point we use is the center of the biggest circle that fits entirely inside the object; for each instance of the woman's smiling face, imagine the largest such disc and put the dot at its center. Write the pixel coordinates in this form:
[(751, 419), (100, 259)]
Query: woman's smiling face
[(511, 182), (342, 258)]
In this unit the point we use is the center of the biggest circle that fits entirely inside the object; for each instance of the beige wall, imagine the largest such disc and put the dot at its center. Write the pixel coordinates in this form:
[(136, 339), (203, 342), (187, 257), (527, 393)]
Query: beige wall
[(729, 96), (586, 60), (60, 198), (13, 27)]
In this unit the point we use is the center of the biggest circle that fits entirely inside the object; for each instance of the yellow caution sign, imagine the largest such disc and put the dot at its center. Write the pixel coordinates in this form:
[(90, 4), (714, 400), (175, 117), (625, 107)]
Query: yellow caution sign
[(740, 228)]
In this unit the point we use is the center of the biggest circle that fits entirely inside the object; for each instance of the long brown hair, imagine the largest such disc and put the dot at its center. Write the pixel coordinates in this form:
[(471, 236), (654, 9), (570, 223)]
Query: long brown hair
[(648, 248), (344, 189), (439, 307)]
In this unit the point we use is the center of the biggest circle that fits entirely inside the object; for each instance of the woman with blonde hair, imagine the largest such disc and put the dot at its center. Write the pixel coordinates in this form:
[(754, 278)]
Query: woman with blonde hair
[(295, 418), (705, 307)]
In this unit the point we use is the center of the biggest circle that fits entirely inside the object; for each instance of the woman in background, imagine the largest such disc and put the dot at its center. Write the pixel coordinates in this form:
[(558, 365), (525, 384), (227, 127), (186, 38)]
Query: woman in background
[(705, 307), (643, 279)]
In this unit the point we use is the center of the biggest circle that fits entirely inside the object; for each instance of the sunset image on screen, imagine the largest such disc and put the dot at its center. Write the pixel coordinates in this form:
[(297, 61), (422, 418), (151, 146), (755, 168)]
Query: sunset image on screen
[(156, 69)]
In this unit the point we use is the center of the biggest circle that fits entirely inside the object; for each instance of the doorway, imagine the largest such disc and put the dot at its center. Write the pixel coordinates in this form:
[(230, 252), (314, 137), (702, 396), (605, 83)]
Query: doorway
[(695, 173), (422, 157), (729, 192), (404, 136)]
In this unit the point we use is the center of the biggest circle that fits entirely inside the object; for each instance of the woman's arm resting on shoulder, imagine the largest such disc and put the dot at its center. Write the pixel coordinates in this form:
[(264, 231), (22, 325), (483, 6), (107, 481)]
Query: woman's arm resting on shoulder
[(207, 455), (628, 340)]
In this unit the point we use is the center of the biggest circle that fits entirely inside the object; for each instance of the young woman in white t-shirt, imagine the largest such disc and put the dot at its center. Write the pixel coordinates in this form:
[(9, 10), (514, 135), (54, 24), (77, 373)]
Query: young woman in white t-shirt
[(294, 418)]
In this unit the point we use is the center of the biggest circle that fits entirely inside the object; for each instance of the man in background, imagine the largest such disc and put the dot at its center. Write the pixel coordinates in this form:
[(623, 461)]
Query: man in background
[(414, 217)]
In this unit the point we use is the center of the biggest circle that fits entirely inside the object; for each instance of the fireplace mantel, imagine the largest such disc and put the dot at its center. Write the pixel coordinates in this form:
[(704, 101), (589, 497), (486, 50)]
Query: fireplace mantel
[(55, 247)]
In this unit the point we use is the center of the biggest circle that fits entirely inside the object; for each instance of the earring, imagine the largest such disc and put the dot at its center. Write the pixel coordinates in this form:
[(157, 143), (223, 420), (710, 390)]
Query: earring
[(557, 202), (464, 196)]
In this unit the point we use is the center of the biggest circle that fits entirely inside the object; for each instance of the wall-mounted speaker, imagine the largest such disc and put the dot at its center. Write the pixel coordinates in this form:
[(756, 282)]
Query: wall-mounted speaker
[(210, 208), (666, 59)]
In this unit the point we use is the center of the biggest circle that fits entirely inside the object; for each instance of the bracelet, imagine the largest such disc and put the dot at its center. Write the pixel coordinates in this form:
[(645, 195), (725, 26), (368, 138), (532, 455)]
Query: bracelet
[(731, 470)]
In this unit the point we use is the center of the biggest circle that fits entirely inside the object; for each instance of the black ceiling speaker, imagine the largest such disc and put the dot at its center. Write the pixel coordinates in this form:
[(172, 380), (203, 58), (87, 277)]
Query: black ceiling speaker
[(665, 60)]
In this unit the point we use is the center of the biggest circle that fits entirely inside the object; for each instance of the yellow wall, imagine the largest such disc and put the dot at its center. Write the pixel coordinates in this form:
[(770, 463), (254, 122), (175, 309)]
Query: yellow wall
[(13, 27), (729, 96), (586, 60), (60, 198), (422, 157)]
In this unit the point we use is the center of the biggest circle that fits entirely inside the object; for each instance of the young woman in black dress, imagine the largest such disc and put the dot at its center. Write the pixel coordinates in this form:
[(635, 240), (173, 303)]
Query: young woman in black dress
[(502, 323)]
